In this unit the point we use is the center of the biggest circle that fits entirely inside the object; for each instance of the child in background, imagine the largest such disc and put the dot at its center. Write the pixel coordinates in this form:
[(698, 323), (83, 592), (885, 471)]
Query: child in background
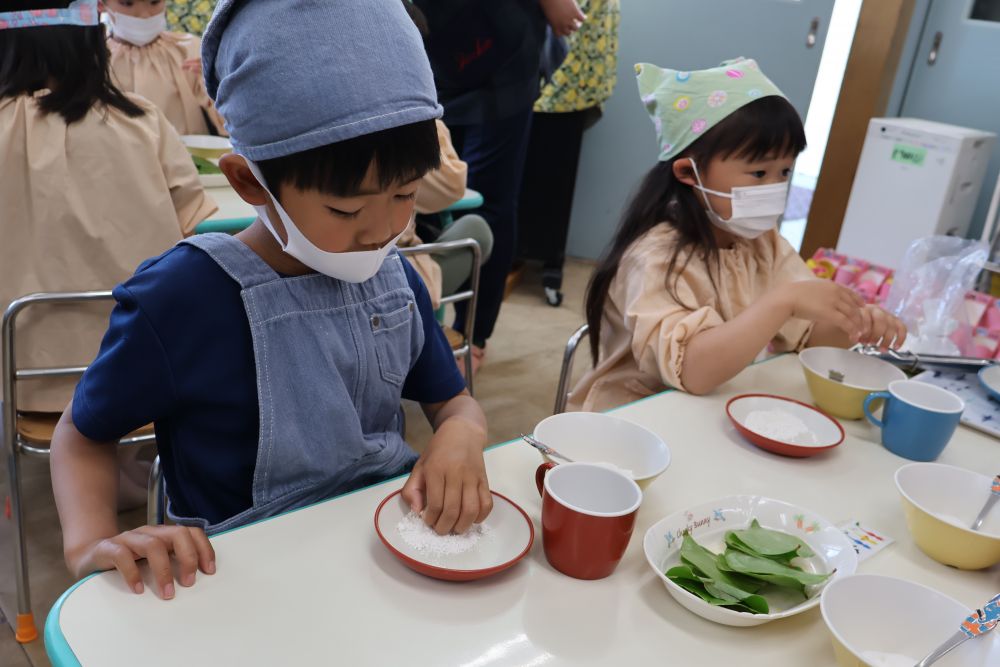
[(273, 363), (164, 67), (698, 281), (92, 181), (440, 188)]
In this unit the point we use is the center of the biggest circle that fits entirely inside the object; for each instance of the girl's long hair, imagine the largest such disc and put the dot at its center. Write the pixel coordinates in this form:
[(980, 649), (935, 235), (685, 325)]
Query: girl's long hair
[(767, 126), (71, 61)]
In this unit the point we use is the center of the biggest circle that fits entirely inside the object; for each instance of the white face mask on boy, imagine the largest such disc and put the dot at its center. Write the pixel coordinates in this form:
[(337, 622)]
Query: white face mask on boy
[(756, 208), (136, 30), (351, 267)]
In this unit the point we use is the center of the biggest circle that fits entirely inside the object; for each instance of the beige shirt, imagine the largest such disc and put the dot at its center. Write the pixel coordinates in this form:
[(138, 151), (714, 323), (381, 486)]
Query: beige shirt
[(156, 72), (644, 331), (440, 189), (82, 206)]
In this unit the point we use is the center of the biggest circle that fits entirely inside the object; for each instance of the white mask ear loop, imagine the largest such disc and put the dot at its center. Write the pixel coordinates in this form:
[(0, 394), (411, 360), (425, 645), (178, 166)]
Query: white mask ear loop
[(700, 187)]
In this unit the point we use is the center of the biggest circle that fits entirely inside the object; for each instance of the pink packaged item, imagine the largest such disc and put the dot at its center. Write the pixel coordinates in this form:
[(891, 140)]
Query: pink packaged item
[(984, 343), (847, 274), (883, 292), (825, 263), (991, 319), (870, 282), (976, 305)]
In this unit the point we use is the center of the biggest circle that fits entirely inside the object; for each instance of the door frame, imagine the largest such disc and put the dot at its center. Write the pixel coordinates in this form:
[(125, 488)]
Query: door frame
[(883, 26)]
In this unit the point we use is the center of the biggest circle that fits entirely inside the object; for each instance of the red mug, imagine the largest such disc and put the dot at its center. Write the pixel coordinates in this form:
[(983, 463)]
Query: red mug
[(588, 512)]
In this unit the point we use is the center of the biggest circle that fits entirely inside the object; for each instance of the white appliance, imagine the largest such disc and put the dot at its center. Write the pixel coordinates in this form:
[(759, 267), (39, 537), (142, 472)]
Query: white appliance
[(915, 178)]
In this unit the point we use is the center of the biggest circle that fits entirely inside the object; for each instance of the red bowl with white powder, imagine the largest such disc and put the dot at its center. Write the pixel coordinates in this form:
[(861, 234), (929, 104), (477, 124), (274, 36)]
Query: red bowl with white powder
[(783, 425), (504, 538)]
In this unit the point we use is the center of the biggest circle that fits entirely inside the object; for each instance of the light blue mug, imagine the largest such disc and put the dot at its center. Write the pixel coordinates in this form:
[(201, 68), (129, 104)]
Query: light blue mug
[(918, 420)]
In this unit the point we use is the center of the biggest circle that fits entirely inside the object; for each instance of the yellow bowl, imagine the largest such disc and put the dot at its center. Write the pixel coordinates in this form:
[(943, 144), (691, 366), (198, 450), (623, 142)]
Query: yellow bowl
[(207, 146), (940, 503), (861, 376), (876, 620)]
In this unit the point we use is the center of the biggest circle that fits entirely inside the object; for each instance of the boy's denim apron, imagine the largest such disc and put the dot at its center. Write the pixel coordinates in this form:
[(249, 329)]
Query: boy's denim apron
[(331, 360)]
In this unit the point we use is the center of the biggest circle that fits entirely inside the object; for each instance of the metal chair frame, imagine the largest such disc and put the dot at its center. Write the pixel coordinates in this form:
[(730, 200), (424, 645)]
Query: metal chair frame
[(566, 373), (15, 446), (471, 295)]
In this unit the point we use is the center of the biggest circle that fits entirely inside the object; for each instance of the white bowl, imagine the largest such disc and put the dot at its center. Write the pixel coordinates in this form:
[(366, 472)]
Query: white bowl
[(709, 522), (883, 621), (598, 438)]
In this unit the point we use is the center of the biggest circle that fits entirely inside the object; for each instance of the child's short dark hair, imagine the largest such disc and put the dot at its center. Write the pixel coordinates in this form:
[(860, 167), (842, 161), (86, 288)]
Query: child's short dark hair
[(399, 154), (70, 60)]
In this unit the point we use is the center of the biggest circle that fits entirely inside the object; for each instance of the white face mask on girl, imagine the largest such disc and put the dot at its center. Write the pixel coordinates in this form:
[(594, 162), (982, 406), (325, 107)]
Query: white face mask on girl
[(756, 208), (351, 267), (135, 30)]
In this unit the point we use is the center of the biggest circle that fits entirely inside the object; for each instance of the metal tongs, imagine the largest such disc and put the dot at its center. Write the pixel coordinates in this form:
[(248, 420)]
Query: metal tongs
[(910, 362)]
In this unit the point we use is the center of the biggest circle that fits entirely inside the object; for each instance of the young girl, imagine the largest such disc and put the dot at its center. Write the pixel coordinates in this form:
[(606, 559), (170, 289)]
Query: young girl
[(698, 282), (164, 67), (92, 182)]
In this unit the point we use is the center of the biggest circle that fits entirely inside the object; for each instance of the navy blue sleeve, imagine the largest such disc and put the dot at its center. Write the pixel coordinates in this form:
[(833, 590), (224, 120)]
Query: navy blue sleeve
[(129, 385), (434, 377)]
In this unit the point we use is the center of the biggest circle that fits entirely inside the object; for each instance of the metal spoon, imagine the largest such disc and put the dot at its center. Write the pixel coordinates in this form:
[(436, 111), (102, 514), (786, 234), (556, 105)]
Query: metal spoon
[(990, 502), (976, 625), (545, 449)]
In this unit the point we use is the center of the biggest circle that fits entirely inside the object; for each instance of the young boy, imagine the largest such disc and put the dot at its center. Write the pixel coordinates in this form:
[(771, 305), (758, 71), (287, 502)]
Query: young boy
[(273, 363)]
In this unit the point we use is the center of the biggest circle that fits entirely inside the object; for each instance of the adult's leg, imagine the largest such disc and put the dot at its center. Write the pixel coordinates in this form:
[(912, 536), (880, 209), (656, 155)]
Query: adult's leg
[(547, 193), (495, 154), (456, 266)]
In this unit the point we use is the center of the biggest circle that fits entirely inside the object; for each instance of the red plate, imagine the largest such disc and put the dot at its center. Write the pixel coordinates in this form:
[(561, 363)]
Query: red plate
[(822, 432), (508, 539)]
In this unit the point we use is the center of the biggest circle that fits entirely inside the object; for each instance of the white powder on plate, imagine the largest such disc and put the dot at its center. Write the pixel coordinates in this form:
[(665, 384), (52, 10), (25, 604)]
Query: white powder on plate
[(880, 659), (422, 537), (779, 425)]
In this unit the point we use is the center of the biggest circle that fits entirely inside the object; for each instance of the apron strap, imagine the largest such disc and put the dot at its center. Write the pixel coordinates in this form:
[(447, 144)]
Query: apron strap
[(241, 263)]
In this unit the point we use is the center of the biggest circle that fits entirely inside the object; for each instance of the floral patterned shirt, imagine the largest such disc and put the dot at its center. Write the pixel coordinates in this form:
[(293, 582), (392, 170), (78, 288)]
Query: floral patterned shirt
[(587, 77), (190, 16)]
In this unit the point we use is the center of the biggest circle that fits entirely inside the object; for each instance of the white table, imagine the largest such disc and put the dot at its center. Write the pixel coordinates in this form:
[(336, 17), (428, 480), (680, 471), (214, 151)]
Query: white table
[(317, 587)]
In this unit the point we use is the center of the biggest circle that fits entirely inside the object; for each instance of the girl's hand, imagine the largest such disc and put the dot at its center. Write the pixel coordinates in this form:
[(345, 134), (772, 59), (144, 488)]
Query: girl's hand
[(826, 301), (564, 16), (160, 546), (881, 328), (192, 65), (448, 484)]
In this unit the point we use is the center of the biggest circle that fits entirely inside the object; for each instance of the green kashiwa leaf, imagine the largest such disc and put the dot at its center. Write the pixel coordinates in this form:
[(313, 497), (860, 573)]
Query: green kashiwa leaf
[(767, 569), (771, 542)]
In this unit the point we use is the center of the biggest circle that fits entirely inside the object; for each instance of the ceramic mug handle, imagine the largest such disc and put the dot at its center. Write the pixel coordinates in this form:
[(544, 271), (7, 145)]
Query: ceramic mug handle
[(540, 475), (868, 402)]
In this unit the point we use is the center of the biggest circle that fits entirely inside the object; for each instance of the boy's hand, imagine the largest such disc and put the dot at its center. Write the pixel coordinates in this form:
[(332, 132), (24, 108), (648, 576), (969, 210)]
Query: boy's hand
[(448, 484), (881, 328), (160, 546), (826, 301), (564, 16)]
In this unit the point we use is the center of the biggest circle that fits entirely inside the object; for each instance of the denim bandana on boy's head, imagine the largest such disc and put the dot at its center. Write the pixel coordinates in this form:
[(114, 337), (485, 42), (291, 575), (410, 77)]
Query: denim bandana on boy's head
[(294, 75), (683, 105), (80, 12)]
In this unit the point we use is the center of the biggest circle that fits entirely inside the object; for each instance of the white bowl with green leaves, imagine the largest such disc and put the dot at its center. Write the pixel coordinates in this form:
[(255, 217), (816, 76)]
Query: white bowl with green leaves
[(747, 560)]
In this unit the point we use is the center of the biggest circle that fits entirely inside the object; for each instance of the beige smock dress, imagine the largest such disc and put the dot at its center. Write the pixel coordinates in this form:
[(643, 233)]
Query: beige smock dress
[(645, 331), (156, 71), (82, 206)]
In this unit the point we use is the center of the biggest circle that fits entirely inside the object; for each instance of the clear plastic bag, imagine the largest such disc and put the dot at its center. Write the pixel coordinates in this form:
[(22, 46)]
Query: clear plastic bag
[(928, 291)]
